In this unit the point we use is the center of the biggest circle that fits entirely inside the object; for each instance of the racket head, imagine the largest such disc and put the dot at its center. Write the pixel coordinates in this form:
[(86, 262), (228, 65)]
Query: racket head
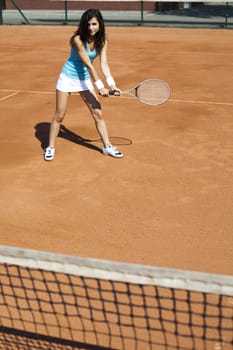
[(153, 91)]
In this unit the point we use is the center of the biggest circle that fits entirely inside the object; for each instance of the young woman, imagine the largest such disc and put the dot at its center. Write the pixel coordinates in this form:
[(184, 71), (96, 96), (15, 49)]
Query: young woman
[(88, 42)]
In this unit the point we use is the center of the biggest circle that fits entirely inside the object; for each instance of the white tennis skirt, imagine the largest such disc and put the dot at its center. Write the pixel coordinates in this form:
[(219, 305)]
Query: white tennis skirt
[(67, 84)]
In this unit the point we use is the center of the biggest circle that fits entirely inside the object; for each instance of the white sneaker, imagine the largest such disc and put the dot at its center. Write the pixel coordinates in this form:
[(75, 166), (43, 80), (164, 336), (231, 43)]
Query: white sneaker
[(49, 153), (112, 151)]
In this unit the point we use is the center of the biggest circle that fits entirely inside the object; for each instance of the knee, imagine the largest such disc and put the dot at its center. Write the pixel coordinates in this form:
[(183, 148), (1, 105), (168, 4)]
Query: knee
[(97, 114), (58, 117)]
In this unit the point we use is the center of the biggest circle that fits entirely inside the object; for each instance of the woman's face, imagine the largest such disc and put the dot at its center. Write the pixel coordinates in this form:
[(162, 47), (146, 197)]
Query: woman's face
[(93, 26)]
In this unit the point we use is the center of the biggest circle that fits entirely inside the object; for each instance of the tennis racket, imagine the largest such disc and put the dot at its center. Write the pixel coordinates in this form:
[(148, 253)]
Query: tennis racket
[(150, 91)]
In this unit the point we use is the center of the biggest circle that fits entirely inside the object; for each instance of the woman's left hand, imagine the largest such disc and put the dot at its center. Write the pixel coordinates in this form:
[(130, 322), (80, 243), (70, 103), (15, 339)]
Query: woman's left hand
[(103, 92)]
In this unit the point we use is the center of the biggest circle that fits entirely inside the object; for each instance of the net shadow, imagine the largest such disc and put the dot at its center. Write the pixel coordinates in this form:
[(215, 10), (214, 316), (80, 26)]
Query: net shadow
[(12, 339)]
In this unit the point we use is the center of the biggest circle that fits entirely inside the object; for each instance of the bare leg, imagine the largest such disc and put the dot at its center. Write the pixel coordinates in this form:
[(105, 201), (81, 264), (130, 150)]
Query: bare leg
[(61, 107), (95, 108)]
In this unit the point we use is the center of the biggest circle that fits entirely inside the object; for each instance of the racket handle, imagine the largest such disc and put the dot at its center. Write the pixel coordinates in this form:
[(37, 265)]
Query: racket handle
[(112, 92)]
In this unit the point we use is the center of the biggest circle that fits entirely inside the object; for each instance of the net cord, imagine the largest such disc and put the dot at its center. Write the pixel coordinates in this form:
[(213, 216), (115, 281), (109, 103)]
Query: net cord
[(118, 271)]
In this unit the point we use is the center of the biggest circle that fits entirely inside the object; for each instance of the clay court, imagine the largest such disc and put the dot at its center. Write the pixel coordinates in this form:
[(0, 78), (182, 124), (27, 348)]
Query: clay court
[(168, 202)]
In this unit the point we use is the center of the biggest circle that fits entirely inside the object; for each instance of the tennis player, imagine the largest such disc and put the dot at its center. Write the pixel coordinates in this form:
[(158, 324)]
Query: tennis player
[(77, 74)]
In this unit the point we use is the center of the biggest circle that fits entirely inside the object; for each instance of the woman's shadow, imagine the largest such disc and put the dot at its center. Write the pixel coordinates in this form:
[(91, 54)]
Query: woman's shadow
[(42, 134)]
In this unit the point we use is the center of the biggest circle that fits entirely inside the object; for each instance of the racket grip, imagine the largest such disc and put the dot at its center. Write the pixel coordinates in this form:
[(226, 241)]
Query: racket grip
[(112, 92)]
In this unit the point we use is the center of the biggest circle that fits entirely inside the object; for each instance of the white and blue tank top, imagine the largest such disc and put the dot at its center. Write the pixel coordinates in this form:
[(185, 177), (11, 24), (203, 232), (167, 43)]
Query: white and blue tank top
[(74, 67)]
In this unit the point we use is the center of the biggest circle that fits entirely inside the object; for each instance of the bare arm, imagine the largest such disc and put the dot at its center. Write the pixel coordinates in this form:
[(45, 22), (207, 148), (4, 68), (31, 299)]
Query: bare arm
[(87, 62), (105, 67), (104, 62), (84, 57)]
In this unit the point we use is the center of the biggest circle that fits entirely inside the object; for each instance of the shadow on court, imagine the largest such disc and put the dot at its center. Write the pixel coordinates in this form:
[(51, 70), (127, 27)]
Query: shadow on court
[(42, 134)]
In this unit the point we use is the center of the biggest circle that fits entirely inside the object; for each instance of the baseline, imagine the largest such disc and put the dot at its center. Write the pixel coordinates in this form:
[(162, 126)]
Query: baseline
[(121, 97)]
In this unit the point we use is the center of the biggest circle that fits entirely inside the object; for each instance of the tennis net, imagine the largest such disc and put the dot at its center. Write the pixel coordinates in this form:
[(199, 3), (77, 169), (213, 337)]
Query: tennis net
[(53, 301)]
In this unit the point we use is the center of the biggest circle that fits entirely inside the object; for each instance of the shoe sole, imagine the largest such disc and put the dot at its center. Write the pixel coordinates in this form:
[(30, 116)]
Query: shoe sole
[(110, 155)]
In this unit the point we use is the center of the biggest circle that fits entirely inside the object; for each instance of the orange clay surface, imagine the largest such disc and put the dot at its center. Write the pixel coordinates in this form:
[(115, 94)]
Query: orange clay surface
[(168, 202)]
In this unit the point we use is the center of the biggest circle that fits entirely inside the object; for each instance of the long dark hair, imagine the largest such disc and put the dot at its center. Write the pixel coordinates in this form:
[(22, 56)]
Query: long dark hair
[(82, 30)]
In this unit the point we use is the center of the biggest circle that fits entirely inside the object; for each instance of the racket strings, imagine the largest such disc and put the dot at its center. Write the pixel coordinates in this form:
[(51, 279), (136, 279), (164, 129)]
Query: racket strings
[(153, 91)]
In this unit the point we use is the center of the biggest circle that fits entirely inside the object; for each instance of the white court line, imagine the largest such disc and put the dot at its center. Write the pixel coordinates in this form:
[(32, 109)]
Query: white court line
[(38, 92), (8, 96), (203, 102), (29, 91), (185, 101), (14, 92)]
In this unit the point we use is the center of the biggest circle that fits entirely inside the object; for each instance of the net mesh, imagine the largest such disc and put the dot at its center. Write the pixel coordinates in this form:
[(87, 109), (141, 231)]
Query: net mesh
[(50, 309)]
